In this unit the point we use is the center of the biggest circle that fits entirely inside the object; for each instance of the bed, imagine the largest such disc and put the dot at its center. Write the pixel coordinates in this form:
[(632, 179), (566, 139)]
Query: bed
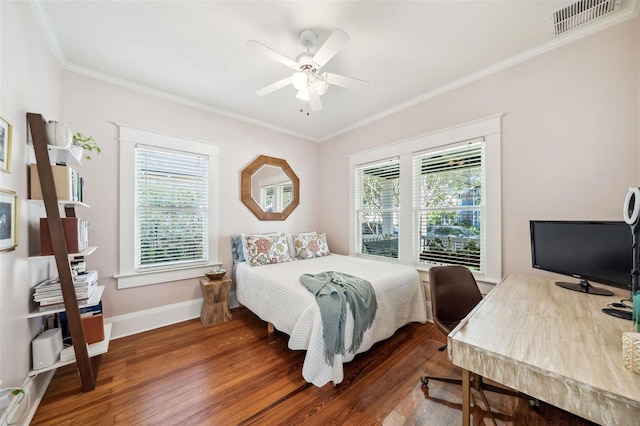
[(274, 293)]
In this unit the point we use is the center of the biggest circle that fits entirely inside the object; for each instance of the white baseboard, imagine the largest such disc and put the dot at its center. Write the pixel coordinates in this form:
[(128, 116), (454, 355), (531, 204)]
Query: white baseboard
[(150, 319)]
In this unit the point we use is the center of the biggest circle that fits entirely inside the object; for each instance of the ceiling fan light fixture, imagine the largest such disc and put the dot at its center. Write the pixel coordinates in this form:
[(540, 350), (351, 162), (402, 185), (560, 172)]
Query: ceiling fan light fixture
[(303, 94), (321, 85), (300, 80)]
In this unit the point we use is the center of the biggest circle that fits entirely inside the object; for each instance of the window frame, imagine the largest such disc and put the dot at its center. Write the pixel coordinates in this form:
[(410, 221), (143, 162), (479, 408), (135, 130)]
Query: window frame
[(488, 128), (130, 137), (390, 211), (475, 145)]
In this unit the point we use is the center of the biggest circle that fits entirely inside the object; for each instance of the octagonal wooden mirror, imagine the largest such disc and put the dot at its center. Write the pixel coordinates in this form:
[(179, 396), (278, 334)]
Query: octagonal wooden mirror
[(270, 188)]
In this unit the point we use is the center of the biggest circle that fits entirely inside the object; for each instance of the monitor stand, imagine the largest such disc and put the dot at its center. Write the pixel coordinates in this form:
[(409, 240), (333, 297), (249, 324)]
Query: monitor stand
[(584, 287)]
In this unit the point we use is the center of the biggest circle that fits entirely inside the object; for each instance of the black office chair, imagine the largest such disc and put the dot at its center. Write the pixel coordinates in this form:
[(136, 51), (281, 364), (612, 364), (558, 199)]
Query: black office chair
[(454, 293)]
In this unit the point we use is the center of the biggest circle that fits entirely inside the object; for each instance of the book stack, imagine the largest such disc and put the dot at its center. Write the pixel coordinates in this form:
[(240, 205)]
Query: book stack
[(92, 324), (48, 294), (76, 234), (69, 184)]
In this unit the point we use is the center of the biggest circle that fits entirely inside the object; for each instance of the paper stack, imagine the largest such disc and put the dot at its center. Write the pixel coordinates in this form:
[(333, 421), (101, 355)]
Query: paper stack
[(49, 293)]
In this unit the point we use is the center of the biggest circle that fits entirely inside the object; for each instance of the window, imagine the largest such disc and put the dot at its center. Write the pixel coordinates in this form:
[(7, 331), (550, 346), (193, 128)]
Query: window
[(168, 207), (171, 208), (451, 210), (378, 198)]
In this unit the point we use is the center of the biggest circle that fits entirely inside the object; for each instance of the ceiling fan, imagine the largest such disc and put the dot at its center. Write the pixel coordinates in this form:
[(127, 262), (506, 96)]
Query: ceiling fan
[(307, 79)]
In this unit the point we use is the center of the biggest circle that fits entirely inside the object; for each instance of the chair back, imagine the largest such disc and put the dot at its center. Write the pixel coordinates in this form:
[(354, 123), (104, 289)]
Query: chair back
[(454, 293)]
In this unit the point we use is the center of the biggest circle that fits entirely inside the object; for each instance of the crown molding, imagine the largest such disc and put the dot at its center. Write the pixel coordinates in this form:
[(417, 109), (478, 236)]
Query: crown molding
[(629, 11), (45, 24), (179, 99)]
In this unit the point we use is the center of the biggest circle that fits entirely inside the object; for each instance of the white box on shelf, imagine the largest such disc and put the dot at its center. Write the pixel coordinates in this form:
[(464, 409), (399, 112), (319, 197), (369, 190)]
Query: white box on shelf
[(46, 347)]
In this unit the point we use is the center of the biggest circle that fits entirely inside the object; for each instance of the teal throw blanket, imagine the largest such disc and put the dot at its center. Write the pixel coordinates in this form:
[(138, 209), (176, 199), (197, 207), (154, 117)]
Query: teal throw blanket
[(333, 291)]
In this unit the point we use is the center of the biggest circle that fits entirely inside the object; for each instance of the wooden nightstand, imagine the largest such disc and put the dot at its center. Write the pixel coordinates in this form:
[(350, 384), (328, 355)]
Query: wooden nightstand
[(215, 309)]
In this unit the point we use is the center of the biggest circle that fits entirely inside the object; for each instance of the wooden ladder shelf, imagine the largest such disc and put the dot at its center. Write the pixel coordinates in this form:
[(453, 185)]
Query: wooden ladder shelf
[(61, 254)]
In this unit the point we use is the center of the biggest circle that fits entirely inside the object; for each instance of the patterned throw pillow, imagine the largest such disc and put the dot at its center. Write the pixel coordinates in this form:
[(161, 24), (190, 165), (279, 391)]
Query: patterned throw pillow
[(309, 246), (266, 249), (290, 236)]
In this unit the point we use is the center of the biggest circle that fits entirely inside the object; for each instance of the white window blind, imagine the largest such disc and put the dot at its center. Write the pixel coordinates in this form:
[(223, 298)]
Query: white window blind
[(449, 206), (285, 194), (172, 208), (377, 207)]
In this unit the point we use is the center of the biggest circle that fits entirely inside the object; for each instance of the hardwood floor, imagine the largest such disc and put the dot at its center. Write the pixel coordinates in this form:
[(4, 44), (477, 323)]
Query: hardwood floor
[(237, 374)]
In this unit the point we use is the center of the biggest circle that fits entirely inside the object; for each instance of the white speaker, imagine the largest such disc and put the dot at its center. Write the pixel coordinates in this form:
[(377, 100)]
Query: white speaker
[(46, 348)]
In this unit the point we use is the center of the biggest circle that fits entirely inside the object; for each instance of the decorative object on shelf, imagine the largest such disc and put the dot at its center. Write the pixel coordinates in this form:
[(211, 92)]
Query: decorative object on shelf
[(58, 134), (8, 220), (215, 274), (82, 144), (5, 144)]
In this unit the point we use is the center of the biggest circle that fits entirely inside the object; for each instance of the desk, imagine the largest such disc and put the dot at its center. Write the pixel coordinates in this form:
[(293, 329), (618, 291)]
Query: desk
[(552, 344)]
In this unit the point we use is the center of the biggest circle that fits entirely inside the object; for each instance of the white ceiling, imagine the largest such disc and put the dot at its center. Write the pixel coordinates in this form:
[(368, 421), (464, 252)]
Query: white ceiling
[(194, 51)]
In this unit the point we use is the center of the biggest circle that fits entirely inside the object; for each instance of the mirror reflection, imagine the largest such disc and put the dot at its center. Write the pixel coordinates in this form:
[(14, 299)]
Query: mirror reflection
[(271, 189)]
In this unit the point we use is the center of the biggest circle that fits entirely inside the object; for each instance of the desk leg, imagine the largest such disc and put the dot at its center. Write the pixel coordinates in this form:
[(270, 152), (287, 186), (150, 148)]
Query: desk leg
[(466, 398)]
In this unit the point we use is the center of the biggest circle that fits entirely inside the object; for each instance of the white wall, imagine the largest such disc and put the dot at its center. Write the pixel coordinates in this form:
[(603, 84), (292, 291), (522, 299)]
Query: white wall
[(91, 106), (30, 81), (569, 144)]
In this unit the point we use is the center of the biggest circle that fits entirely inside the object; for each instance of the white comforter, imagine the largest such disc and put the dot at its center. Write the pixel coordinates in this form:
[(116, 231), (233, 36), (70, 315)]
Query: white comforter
[(275, 294)]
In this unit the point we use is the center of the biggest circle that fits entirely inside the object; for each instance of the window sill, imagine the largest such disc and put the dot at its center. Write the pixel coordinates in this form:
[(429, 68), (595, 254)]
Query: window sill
[(138, 279)]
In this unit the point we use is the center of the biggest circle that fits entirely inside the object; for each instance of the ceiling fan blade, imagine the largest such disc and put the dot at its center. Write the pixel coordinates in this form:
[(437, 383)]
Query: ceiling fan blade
[(261, 48), (348, 82), (314, 99), (273, 87), (336, 41)]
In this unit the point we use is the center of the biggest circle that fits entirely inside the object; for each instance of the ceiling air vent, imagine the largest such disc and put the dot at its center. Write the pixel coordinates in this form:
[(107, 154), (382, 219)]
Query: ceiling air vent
[(579, 12)]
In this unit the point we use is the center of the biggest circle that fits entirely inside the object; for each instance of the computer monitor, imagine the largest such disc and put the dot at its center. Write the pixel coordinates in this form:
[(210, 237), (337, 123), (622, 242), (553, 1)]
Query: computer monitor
[(588, 250)]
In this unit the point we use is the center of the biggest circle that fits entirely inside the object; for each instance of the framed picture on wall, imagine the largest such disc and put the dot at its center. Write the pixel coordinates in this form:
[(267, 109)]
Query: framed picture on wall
[(5, 144), (8, 220)]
